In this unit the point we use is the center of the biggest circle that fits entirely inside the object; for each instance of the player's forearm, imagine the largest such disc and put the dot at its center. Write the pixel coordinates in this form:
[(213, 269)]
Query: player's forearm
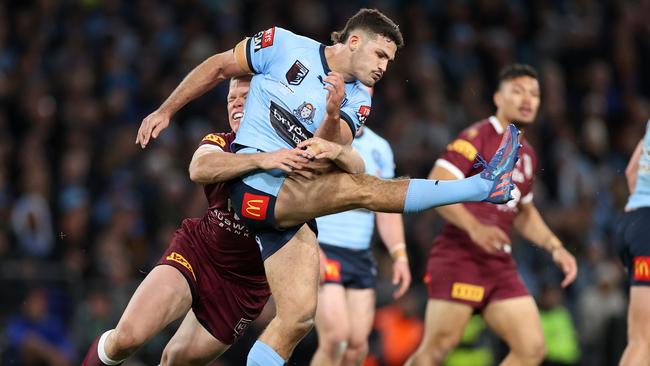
[(217, 167), (531, 226), (334, 129), (458, 216), (201, 79), (350, 161), (391, 230)]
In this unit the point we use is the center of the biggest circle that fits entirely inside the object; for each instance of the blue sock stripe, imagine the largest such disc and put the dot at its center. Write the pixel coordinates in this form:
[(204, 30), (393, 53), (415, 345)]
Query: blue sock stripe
[(423, 194), (261, 354)]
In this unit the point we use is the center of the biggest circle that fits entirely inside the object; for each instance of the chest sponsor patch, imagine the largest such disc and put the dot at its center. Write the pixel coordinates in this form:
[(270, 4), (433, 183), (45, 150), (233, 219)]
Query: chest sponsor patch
[(642, 268), (287, 126), (254, 206), (466, 291)]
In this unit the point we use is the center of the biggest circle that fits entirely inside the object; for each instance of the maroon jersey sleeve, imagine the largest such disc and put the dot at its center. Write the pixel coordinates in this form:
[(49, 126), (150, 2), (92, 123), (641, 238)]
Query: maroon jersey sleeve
[(460, 156), (220, 140)]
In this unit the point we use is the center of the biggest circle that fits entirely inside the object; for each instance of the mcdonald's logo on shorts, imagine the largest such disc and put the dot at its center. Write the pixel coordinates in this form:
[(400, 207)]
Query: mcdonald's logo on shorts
[(465, 291), (642, 268), (332, 270), (254, 206)]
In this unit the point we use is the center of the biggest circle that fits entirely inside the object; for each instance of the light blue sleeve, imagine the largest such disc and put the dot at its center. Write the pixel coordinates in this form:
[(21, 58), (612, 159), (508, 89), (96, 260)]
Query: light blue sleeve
[(388, 170), (356, 110), (266, 46)]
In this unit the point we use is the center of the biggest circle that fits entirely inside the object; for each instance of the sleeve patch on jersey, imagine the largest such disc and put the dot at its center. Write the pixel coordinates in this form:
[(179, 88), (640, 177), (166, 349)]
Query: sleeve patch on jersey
[(264, 39), (463, 147), (215, 139), (363, 113), (642, 268)]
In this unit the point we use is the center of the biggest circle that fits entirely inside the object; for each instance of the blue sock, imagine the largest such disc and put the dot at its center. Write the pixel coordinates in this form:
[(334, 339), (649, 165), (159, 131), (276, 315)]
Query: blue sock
[(263, 355), (423, 194)]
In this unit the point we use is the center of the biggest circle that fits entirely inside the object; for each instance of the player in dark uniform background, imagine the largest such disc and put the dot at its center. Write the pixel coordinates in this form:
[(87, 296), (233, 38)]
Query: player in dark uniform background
[(212, 270), (634, 250), (470, 267)]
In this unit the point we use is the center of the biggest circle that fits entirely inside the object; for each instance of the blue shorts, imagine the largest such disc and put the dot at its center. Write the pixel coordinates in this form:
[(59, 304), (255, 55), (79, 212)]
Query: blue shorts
[(633, 245), (257, 209), (350, 268)]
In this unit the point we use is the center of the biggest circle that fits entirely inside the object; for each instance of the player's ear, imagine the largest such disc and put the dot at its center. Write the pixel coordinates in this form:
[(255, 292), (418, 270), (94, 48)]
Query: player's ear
[(497, 98), (354, 41)]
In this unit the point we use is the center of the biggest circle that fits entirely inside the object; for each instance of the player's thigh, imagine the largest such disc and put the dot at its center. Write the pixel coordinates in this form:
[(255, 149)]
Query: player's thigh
[(303, 197), (162, 297), (361, 313), (639, 313), (445, 322), (331, 313), (192, 344), (293, 275), (516, 321)]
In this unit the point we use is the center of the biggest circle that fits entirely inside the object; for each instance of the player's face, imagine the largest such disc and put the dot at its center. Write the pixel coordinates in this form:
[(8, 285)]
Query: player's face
[(236, 99), (371, 56), (518, 99)]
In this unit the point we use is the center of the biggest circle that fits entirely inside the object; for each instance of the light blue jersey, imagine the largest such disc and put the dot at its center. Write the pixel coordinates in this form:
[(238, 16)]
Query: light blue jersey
[(353, 229), (286, 101), (641, 195)]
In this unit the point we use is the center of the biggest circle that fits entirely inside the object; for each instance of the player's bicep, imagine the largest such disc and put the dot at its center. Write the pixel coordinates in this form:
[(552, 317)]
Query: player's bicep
[(241, 57), (347, 134)]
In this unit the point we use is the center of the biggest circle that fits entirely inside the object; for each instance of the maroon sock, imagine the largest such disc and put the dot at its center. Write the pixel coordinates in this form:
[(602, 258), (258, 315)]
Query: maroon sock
[(92, 358)]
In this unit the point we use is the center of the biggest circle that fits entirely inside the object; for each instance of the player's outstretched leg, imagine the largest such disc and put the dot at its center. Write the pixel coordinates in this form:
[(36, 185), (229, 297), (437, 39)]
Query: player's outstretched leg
[(320, 194), (161, 298)]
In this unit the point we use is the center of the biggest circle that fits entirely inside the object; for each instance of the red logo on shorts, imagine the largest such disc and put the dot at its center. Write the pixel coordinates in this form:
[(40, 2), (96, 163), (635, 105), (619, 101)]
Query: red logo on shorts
[(267, 37), (254, 206), (642, 268), (332, 270)]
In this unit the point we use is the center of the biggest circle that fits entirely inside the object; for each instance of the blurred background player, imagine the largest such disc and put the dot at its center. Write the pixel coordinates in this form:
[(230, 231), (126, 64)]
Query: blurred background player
[(634, 251), (470, 267), (212, 268), (346, 300)]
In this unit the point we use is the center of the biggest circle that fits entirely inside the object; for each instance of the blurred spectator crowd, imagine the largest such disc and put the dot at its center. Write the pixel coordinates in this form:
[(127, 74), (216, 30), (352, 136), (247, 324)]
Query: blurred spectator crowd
[(85, 213)]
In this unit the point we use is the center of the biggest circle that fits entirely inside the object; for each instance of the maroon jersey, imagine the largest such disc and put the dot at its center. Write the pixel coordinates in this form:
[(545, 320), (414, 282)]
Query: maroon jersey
[(483, 138), (219, 236)]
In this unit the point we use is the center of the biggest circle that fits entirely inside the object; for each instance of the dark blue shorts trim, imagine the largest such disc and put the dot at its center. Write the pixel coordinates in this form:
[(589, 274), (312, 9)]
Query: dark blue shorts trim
[(633, 245), (259, 215), (350, 268)]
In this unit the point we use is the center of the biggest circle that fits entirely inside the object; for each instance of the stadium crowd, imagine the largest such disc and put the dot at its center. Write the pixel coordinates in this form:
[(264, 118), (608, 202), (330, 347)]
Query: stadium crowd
[(85, 213)]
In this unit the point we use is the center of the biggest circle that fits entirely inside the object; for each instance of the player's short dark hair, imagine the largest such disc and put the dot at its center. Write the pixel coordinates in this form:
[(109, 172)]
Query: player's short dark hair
[(372, 21), (514, 71)]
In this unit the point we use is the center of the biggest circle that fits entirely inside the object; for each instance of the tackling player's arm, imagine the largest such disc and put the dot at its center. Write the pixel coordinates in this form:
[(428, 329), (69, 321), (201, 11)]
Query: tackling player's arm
[(632, 169), (202, 78), (344, 156), (489, 237), (530, 225), (210, 164), (391, 230)]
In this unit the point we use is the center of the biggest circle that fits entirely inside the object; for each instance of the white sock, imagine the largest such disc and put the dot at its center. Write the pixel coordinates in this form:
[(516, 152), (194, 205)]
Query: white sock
[(101, 352)]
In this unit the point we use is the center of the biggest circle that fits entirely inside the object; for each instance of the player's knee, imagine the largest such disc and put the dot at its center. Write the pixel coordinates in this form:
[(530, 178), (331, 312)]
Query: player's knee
[(356, 350), (532, 352), (441, 344), (334, 344)]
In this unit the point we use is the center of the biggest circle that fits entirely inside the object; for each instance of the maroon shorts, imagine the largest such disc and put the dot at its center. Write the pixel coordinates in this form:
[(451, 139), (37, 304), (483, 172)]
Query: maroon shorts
[(224, 306), (462, 276)]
